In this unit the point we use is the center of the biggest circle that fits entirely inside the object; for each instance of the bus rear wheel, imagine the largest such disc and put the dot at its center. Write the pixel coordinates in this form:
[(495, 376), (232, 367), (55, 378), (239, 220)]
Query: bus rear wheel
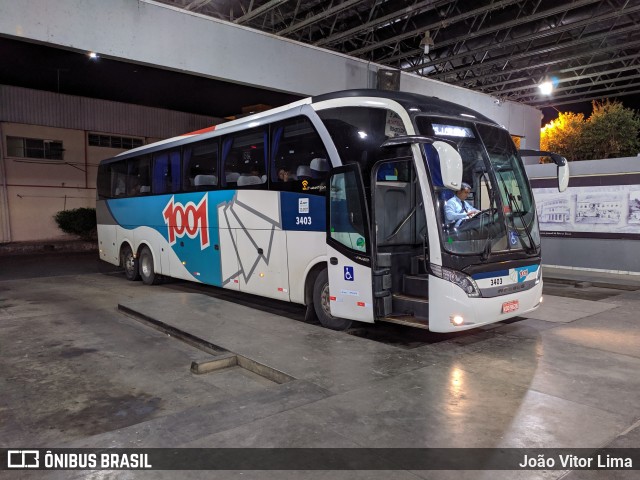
[(322, 306), (147, 269), (130, 264)]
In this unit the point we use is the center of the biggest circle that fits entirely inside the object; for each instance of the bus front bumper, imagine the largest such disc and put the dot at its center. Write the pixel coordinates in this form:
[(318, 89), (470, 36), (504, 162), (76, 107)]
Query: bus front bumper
[(451, 310)]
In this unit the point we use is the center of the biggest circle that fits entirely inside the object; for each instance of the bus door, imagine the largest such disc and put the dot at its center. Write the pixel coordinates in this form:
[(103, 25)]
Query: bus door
[(349, 246)]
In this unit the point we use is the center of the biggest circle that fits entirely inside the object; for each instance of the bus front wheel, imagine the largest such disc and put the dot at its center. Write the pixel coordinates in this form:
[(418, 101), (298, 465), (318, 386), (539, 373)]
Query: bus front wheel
[(322, 307), (147, 269), (130, 264)]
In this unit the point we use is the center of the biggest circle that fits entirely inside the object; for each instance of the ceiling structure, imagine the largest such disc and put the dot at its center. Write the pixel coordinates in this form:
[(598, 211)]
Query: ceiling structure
[(589, 49)]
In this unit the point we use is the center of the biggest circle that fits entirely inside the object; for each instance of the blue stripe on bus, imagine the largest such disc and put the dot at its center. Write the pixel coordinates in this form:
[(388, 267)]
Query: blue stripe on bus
[(495, 273)]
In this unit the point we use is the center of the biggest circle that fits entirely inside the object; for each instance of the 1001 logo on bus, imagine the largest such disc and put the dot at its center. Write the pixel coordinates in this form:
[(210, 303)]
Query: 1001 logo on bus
[(189, 220)]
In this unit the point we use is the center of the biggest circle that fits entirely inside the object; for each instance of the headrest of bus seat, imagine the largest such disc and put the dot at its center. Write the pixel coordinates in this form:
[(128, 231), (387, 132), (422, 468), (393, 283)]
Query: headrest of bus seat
[(303, 171), (244, 180), (205, 180), (319, 165)]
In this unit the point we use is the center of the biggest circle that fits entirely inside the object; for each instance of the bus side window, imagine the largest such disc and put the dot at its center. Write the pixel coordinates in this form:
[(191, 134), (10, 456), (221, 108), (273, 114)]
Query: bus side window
[(166, 172), (245, 159), (118, 179), (299, 160), (200, 166), (138, 176)]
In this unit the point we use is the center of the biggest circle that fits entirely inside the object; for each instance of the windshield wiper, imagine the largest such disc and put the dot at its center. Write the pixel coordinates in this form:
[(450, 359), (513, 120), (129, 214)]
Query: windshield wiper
[(514, 206), (486, 252)]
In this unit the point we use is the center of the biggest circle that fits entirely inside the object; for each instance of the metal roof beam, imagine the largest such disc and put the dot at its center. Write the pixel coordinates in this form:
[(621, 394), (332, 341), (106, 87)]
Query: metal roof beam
[(573, 79), (571, 69), (539, 103), (320, 16), (609, 81), (251, 14), (615, 48), (526, 38), (505, 59), (597, 97), (405, 12), (439, 24)]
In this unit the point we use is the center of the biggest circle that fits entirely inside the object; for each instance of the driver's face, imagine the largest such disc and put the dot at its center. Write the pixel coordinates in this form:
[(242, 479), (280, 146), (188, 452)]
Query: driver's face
[(464, 193)]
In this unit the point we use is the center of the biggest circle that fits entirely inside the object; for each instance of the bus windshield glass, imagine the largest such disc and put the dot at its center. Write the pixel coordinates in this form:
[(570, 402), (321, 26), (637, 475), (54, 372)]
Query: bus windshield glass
[(494, 210)]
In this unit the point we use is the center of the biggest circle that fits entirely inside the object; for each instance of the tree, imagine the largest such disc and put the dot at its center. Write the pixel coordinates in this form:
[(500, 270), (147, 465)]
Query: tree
[(611, 131), (564, 135)]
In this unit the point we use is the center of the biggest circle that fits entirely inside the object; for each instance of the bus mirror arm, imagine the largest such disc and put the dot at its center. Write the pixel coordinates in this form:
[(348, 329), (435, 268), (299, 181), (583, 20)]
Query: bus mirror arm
[(559, 160)]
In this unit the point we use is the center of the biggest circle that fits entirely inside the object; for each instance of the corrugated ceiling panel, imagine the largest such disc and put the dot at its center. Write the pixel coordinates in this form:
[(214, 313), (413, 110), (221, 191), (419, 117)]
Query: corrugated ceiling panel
[(22, 105)]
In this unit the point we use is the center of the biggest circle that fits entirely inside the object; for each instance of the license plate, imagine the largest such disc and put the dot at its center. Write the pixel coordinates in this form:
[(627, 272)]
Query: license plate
[(508, 307)]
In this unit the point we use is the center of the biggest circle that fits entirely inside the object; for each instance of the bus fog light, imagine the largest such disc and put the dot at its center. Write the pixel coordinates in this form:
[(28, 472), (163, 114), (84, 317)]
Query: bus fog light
[(456, 319), (541, 299)]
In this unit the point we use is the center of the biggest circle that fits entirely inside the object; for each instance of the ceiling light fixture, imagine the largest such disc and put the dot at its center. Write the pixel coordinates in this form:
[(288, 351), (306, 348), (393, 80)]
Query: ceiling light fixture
[(427, 42), (546, 87)]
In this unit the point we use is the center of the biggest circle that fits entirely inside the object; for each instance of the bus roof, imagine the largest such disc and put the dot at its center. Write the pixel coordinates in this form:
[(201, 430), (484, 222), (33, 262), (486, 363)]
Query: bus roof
[(423, 103), (413, 102)]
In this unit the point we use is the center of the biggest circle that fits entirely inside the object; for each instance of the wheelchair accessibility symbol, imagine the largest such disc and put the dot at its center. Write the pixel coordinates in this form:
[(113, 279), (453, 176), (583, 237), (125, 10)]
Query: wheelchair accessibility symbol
[(348, 274)]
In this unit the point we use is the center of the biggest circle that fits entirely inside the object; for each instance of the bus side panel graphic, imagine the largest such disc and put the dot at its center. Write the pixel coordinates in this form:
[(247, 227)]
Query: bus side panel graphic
[(188, 224)]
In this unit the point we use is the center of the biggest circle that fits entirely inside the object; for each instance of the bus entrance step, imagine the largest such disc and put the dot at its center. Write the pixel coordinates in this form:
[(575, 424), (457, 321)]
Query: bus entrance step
[(408, 320), (416, 285), (409, 305)]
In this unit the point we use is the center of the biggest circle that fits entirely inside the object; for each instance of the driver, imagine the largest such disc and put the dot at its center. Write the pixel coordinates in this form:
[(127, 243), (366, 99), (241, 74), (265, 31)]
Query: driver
[(457, 209)]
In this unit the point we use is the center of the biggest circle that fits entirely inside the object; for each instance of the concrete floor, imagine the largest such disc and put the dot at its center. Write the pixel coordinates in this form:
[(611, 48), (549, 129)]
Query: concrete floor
[(94, 377)]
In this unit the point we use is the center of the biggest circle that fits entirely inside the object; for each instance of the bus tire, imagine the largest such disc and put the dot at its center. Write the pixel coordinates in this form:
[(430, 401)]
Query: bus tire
[(147, 268), (321, 304), (129, 263)]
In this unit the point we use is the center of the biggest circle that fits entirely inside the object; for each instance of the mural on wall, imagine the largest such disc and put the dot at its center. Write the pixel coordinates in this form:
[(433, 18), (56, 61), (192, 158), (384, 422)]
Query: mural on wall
[(588, 210), (634, 207)]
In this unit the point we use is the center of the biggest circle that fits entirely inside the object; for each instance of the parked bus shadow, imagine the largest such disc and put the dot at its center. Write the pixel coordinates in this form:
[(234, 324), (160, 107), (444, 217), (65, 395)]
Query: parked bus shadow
[(391, 334)]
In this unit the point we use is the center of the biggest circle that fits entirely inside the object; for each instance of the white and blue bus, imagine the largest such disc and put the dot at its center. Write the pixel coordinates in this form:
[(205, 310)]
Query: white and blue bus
[(336, 202)]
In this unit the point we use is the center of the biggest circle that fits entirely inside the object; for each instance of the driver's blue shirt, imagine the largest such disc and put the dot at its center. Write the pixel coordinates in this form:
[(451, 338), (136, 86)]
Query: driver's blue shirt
[(455, 210)]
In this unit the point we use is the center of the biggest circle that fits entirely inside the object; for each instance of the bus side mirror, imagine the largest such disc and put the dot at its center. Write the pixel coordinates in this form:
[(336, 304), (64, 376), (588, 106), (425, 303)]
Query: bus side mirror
[(563, 173), (450, 165)]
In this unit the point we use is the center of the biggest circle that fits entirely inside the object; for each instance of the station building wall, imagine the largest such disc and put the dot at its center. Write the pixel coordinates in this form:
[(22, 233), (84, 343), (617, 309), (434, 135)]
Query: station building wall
[(33, 190), (602, 240)]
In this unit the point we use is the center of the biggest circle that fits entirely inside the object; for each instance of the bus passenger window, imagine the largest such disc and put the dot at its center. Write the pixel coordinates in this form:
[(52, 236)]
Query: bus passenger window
[(245, 159), (200, 165), (118, 179), (299, 162), (166, 172), (138, 178)]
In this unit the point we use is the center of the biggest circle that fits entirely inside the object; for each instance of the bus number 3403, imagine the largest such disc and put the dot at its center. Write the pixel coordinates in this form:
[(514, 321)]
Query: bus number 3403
[(303, 220)]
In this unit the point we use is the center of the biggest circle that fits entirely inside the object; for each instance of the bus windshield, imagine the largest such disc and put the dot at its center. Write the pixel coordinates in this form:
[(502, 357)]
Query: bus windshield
[(494, 209)]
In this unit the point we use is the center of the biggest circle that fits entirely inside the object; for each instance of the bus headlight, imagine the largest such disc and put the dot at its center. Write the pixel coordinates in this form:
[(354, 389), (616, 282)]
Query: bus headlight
[(539, 274), (465, 282)]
